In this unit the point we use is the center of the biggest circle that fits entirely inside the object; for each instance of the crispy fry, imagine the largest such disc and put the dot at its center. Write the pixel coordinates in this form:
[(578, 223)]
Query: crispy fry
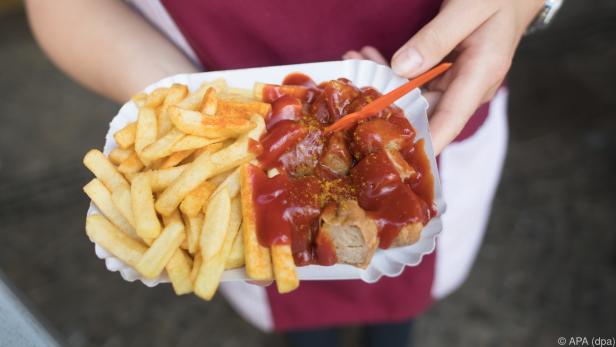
[(176, 158), (231, 183), (210, 102), (125, 137), (105, 234), (139, 99), (118, 155), (236, 256), (122, 200), (162, 178), (193, 228), (211, 270), (160, 252), (104, 170), (285, 271), (131, 165), (240, 107), (147, 223), (163, 146), (246, 93), (215, 224), (179, 268), (146, 131), (195, 123), (195, 200), (258, 260), (193, 100), (214, 147), (206, 166), (194, 142), (101, 197), (176, 93), (156, 97), (197, 262)]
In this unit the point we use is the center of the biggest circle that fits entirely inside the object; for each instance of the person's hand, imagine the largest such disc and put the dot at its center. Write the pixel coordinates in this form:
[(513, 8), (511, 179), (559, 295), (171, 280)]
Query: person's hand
[(480, 38)]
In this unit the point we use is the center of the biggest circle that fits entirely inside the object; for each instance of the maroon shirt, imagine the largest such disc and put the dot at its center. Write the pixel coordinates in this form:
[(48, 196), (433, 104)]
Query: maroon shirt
[(229, 34)]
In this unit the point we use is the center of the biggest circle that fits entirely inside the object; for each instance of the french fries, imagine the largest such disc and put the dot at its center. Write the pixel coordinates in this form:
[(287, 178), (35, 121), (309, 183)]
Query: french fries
[(206, 166), (284, 268), (195, 200), (160, 252), (257, 257), (101, 197), (174, 195), (118, 155), (146, 131), (236, 257), (196, 123), (163, 147), (189, 142), (125, 137), (116, 242), (215, 257), (146, 220)]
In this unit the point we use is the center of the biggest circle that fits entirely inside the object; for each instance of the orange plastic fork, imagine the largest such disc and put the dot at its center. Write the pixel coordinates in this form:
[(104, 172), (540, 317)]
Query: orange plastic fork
[(380, 103)]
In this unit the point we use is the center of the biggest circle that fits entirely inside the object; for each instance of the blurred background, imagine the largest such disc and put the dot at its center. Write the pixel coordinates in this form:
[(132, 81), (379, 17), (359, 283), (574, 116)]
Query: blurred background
[(547, 267)]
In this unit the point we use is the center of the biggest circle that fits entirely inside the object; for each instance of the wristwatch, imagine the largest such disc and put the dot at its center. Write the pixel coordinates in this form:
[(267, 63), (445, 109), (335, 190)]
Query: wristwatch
[(545, 16)]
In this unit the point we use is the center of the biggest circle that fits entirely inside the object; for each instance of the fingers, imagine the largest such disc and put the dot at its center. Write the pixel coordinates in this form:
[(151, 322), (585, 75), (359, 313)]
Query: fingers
[(374, 55), (455, 22), (432, 97), (367, 52), (352, 55)]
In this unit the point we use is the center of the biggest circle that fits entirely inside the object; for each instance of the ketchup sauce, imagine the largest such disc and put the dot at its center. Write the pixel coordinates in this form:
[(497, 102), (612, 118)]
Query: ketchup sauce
[(318, 171)]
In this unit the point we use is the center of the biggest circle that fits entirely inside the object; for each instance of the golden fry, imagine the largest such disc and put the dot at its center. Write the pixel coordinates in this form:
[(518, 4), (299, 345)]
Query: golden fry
[(236, 256), (125, 137), (285, 271), (193, 228), (160, 252), (162, 178), (156, 97), (193, 100), (179, 268), (105, 234), (122, 200), (195, 200), (101, 197), (195, 123), (176, 158), (118, 155), (163, 146), (206, 166), (231, 183), (194, 142), (131, 165), (215, 224), (213, 266), (210, 102), (258, 260), (146, 131), (104, 170), (142, 200), (240, 107)]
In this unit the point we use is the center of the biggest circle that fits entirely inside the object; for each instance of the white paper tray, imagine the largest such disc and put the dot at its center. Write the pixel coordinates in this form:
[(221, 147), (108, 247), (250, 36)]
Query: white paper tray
[(362, 73)]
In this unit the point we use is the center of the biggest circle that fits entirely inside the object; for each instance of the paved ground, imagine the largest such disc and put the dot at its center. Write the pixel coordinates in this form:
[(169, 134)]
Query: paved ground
[(547, 268)]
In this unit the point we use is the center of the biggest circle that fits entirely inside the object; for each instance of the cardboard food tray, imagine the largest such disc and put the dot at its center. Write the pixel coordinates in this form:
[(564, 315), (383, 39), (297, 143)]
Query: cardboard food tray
[(390, 262)]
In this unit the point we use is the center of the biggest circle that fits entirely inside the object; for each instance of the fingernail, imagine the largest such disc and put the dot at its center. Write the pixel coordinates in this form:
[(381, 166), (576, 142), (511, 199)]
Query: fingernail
[(406, 62)]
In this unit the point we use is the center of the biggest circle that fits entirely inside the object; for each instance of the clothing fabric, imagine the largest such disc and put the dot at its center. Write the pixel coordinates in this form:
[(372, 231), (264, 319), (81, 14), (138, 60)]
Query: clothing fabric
[(226, 34)]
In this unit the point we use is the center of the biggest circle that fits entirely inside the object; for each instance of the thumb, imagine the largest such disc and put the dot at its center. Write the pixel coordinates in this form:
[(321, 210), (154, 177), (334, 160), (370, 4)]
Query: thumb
[(456, 21)]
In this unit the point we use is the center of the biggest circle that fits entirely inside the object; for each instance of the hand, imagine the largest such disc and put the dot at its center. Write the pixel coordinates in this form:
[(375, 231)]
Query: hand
[(480, 38)]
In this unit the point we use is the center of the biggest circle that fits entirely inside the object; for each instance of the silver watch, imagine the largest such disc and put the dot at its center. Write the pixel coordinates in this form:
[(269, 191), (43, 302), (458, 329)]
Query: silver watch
[(545, 16)]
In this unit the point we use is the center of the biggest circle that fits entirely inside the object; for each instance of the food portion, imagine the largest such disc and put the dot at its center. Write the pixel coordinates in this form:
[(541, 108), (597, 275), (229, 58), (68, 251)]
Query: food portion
[(328, 198), (223, 178)]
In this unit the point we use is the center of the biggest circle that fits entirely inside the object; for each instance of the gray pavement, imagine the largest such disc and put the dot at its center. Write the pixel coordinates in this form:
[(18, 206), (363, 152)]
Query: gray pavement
[(547, 267)]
